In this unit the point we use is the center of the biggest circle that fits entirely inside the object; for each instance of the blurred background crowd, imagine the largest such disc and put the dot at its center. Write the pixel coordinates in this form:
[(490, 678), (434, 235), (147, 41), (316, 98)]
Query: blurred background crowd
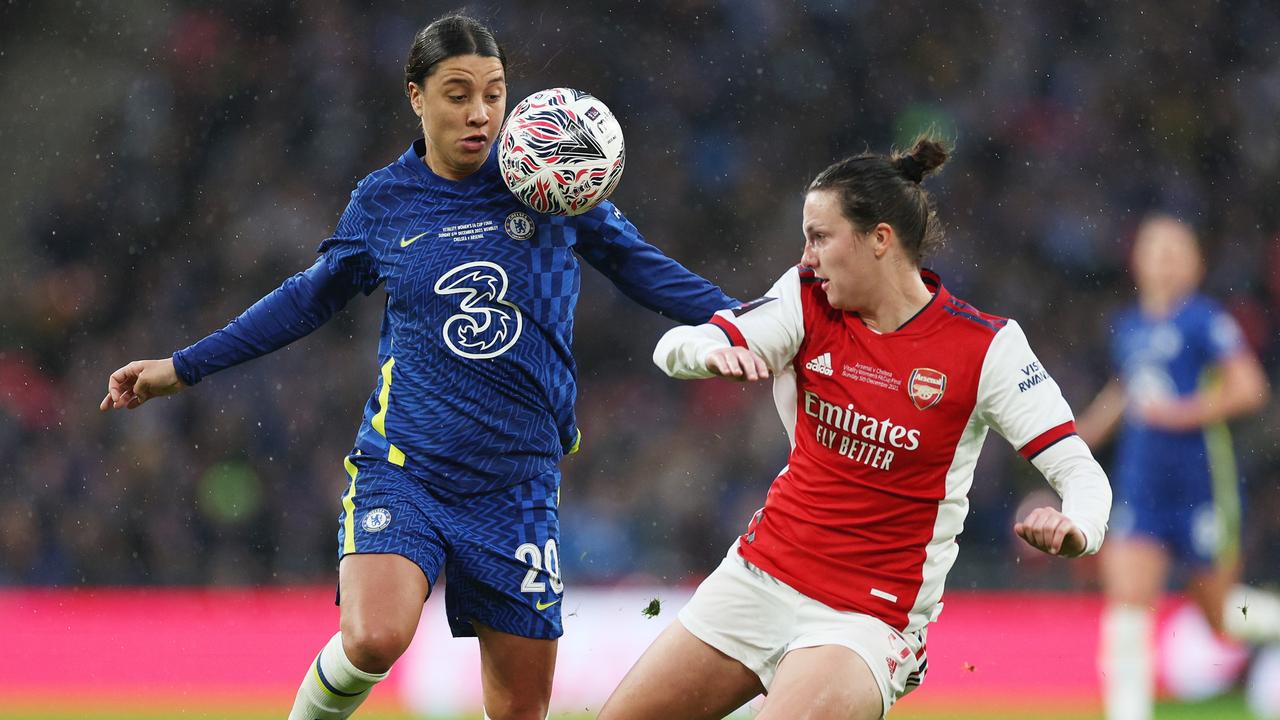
[(168, 163)]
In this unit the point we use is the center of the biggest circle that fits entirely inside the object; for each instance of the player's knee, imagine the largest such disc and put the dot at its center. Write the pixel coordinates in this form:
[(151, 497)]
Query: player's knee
[(373, 647), (513, 708)]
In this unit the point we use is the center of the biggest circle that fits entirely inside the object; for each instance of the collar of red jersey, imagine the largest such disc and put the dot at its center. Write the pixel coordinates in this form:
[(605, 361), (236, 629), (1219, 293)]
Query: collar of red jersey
[(933, 281)]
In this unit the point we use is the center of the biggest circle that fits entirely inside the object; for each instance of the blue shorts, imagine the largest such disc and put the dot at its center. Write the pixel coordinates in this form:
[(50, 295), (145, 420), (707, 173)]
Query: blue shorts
[(499, 550), (1169, 496)]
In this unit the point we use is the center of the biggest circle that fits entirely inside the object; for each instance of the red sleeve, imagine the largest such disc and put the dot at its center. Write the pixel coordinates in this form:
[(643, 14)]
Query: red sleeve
[(1047, 438)]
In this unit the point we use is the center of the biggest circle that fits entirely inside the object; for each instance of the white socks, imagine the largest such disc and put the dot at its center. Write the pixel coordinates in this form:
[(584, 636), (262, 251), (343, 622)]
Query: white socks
[(1128, 655), (1128, 662), (1252, 616), (333, 688)]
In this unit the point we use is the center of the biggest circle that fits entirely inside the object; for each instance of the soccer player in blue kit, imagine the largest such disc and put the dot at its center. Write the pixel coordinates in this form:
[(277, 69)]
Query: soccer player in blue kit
[(455, 463), (1183, 369)]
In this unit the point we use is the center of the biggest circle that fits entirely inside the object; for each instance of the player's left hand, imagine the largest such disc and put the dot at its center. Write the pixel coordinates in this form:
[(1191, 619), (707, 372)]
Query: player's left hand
[(1049, 531)]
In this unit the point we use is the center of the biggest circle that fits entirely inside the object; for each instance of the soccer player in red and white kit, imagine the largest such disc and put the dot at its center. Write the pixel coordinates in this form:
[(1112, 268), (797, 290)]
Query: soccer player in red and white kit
[(887, 385)]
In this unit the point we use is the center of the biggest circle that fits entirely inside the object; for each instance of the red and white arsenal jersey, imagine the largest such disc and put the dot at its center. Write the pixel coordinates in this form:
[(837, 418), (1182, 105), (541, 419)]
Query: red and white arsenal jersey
[(885, 431)]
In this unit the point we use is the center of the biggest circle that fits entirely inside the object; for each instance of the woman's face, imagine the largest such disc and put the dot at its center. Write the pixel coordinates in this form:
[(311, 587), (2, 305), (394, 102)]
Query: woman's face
[(461, 104), (841, 256), (1166, 259)]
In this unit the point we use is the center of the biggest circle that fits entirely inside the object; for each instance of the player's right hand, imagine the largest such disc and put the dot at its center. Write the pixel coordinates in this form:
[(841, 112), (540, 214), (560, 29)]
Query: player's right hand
[(138, 382), (1049, 531), (735, 363)]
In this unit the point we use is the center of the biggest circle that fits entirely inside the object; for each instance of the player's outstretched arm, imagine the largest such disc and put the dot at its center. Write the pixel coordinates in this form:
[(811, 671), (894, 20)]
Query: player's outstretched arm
[(683, 351), (1242, 389), (701, 351), (301, 304), (1036, 419), (1097, 423), (1049, 531), (138, 382), (746, 344), (612, 245)]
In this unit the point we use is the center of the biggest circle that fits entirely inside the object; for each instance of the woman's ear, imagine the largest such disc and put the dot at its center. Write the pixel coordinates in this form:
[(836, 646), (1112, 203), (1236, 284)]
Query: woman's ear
[(882, 236), (415, 98)]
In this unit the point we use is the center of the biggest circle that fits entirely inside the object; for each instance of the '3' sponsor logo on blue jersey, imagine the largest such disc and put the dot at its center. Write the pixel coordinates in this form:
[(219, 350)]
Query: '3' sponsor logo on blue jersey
[(487, 324)]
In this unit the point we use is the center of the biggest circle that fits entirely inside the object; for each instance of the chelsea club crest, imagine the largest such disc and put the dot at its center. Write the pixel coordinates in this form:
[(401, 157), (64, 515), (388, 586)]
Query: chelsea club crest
[(519, 225), (376, 519)]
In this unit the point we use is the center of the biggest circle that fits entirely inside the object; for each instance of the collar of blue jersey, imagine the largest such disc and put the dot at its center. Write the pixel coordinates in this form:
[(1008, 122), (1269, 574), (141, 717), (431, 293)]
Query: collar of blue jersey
[(413, 159)]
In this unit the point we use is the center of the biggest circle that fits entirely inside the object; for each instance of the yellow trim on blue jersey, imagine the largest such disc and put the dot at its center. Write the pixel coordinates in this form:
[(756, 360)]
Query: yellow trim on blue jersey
[(1224, 479), (1226, 490), (379, 421), (577, 443), (349, 505)]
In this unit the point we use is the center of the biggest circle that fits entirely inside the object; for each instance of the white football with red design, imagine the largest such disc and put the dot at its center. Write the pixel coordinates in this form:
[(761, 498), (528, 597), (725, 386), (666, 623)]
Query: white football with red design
[(561, 151)]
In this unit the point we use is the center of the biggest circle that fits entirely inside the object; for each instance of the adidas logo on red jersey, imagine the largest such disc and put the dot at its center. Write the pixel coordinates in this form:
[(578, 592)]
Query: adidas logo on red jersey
[(821, 364)]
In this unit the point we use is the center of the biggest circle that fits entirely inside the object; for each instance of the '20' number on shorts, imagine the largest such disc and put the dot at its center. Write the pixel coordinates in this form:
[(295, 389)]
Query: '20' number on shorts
[(534, 556)]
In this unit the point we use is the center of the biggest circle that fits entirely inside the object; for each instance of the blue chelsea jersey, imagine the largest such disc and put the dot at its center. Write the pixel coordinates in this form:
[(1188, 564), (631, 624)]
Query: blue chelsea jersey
[(477, 381), (1170, 357)]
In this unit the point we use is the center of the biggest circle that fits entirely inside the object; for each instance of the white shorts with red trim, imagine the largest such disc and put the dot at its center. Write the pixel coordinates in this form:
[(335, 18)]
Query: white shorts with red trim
[(747, 614)]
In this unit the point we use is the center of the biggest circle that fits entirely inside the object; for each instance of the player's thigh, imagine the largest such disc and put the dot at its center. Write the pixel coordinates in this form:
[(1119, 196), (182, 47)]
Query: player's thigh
[(828, 682), (515, 673), (503, 564), (681, 678), (391, 552), (382, 597), (1134, 570)]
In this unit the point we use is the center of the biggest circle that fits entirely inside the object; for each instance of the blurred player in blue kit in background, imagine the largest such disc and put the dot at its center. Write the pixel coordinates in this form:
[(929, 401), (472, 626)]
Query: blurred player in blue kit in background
[(455, 462), (1183, 370)]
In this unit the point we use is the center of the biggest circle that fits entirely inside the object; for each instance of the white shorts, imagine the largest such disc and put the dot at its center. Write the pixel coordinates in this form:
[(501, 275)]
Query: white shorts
[(747, 614)]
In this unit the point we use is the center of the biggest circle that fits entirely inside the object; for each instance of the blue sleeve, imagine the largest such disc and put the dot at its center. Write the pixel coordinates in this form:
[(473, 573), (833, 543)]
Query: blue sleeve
[(1118, 329), (615, 247), (347, 251), (303, 303), (1223, 337)]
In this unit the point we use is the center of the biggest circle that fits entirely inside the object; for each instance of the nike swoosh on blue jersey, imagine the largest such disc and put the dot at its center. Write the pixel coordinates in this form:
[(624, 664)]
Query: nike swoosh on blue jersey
[(410, 241)]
